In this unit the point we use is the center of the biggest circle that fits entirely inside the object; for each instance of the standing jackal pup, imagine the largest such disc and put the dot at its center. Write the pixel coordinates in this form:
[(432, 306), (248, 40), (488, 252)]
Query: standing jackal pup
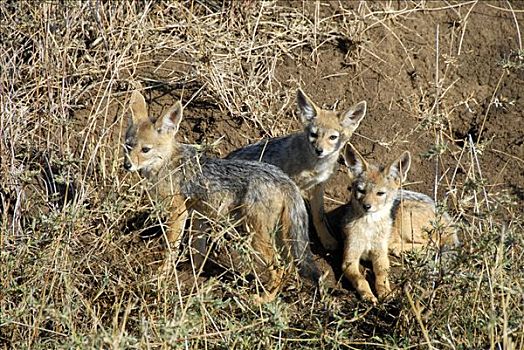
[(309, 157), (262, 197), (367, 224)]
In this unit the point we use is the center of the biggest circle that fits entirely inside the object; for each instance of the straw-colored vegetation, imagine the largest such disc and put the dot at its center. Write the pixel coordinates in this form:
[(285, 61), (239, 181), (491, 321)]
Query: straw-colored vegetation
[(75, 268)]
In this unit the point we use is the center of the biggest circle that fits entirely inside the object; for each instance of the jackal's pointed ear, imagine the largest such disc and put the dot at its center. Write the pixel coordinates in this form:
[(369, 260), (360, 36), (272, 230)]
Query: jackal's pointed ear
[(399, 168), (355, 163), (171, 120), (351, 118), (138, 106), (305, 107)]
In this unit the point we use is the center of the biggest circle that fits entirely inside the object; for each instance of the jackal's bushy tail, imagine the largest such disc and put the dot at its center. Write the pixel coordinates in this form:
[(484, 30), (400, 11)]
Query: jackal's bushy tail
[(295, 224)]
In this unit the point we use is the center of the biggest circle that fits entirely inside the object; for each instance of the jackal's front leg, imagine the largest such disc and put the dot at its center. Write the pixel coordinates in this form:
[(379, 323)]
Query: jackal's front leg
[(380, 261), (351, 269), (319, 219), (176, 223)]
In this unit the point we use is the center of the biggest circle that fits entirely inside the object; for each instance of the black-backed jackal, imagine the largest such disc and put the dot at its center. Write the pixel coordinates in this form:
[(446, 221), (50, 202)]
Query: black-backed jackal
[(309, 157), (262, 197), (380, 218)]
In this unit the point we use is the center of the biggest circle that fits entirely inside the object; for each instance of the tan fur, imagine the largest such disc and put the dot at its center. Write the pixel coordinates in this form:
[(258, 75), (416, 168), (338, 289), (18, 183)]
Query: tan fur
[(413, 222), (367, 228), (372, 225), (260, 196), (323, 126), (310, 157)]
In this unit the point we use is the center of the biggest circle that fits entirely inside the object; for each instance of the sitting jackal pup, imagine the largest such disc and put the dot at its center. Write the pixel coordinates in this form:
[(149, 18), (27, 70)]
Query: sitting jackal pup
[(367, 224), (262, 197), (380, 217), (309, 157)]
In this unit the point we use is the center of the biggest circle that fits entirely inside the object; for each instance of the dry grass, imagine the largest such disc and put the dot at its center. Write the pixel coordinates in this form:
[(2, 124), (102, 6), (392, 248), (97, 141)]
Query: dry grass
[(73, 277)]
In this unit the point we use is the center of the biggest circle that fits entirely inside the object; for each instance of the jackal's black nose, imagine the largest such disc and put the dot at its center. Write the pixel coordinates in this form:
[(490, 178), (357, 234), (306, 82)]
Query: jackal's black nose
[(127, 165), (366, 207), (319, 151)]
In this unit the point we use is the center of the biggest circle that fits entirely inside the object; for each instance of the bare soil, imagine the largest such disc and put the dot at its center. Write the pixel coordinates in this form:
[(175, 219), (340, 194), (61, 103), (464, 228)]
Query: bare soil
[(435, 85), (433, 80)]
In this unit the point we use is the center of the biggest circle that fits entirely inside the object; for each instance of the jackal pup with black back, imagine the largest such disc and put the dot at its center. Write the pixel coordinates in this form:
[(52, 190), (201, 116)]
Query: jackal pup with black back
[(309, 157), (262, 197), (380, 218)]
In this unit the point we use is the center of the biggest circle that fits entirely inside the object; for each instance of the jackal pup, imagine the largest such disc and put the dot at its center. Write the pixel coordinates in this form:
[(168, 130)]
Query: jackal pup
[(310, 157), (380, 217), (262, 197), (416, 224)]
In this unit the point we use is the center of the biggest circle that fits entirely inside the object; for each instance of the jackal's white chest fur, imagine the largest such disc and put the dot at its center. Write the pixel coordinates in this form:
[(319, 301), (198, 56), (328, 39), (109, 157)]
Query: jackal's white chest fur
[(369, 232)]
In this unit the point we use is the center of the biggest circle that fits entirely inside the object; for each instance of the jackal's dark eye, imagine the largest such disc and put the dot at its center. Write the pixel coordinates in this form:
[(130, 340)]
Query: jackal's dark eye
[(381, 193), (333, 137), (146, 149)]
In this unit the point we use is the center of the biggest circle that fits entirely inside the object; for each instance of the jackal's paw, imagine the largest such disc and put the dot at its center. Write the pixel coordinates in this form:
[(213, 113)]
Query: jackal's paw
[(370, 298), (263, 299), (383, 292)]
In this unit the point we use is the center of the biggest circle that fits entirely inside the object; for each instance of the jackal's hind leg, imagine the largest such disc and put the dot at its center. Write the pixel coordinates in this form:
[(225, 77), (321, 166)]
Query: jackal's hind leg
[(272, 288), (264, 226)]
